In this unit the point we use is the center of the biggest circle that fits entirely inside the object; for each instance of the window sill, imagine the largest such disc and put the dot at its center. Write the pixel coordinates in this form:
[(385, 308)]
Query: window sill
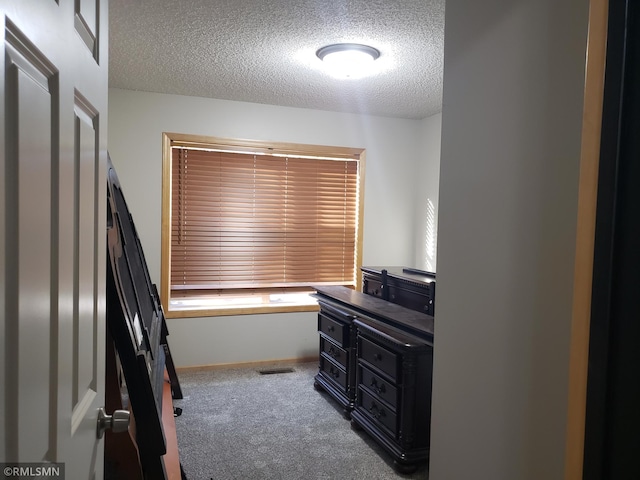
[(251, 305)]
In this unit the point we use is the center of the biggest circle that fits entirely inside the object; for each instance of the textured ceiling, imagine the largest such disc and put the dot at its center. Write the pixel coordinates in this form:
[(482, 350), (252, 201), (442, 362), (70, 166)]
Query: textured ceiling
[(263, 51)]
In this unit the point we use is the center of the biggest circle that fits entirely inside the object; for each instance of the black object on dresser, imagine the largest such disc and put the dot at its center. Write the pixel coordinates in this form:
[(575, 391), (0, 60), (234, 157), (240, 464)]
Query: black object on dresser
[(409, 287), (384, 382)]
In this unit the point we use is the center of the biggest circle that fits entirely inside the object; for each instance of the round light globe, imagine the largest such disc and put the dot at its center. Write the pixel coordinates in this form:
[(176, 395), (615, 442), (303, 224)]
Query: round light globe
[(348, 60)]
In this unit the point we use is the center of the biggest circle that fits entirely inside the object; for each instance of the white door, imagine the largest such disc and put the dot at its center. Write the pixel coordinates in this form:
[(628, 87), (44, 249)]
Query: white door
[(53, 95)]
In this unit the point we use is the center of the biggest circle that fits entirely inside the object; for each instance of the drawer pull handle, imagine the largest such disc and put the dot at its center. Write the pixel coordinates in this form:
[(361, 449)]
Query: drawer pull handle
[(377, 412), (378, 389), (332, 353), (330, 328), (334, 373), (377, 357)]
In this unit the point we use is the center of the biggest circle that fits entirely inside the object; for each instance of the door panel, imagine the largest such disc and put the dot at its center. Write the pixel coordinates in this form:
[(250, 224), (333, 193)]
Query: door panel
[(30, 105), (53, 93), (34, 272), (86, 22), (84, 327)]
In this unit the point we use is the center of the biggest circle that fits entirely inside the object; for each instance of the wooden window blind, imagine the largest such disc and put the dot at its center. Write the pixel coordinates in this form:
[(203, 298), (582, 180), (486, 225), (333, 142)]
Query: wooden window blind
[(243, 220)]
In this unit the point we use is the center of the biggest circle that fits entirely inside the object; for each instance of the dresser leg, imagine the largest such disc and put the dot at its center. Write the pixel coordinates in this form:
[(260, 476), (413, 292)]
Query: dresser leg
[(404, 468)]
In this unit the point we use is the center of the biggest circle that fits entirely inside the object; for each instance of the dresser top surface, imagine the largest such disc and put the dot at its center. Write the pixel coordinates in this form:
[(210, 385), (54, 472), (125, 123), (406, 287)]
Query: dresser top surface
[(403, 273), (394, 314)]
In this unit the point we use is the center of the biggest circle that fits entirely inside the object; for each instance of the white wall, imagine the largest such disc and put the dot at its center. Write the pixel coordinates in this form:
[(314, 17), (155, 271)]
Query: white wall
[(136, 123), (511, 125), (427, 177)]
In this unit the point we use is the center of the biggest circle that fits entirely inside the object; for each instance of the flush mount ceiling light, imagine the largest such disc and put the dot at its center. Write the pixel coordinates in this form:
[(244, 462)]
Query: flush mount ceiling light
[(348, 60)]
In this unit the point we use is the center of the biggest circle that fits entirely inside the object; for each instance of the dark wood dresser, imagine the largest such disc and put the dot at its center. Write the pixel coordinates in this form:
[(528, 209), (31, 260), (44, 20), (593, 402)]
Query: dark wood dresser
[(376, 360), (337, 358), (409, 287)]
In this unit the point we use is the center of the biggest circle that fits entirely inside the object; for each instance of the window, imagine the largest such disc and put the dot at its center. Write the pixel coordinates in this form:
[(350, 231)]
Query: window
[(249, 227)]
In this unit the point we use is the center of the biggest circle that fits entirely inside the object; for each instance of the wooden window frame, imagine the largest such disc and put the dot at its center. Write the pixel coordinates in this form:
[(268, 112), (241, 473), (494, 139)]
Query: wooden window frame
[(170, 140)]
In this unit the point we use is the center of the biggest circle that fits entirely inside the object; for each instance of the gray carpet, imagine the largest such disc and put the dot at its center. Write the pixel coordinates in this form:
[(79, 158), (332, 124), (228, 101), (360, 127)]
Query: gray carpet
[(239, 424)]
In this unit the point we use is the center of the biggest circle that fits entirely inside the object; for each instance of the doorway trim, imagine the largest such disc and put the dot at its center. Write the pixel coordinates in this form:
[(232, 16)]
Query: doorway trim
[(585, 234)]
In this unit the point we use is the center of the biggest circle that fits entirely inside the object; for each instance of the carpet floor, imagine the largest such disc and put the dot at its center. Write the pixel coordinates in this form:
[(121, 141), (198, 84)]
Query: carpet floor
[(237, 423)]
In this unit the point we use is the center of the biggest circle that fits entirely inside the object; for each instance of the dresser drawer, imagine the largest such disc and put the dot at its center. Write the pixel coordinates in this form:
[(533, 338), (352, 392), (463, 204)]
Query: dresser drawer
[(332, 328), (378, 357), (418, 301), (338, 354), (376, 385), (333, 372), (372, 287), (378, 412)]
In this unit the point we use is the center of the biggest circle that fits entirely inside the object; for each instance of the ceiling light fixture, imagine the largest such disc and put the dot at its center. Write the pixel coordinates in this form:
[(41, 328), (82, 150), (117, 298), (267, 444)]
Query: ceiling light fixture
[(348, 60)]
